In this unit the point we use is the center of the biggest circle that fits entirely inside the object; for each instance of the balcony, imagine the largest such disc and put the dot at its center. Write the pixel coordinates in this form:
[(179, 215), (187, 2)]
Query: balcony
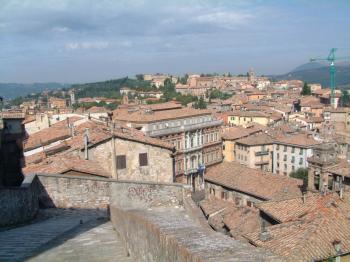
[(261, 163), (262, 153), (183, 128)]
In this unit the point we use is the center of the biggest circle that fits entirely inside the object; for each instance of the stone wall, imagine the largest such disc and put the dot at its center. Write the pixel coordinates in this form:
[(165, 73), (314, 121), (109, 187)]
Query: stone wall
[(143, 195), (19, 204), (74, 192), (91, 193)]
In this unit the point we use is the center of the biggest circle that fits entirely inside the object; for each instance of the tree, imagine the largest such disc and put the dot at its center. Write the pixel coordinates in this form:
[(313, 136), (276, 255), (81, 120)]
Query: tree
[(306, 91), (301, 173), (345, 97), (139, 77), (200, 104), (183, 80)]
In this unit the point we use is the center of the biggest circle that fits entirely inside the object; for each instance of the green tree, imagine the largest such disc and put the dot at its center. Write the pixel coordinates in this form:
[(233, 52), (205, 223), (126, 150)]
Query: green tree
[(345, 97), (139, 77), (301, 173), (306, 91), (200, 104), (183, 80)]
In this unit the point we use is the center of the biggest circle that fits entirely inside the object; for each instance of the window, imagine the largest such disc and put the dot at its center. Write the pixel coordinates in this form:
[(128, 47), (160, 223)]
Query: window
[(278, 147), (293, 149), (285, 149), (300, 161), (121, 162), (285, 158), (278, 155), (301, 151), (293, 159), (143, 159), (285, 166)]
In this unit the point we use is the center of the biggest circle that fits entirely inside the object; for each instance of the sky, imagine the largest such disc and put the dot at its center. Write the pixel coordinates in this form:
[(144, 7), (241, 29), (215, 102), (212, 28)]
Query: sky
[(76, 41)]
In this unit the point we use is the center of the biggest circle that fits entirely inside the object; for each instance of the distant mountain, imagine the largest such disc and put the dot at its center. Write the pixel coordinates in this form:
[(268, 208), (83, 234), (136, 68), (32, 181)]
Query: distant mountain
[(318, 73), (12, 90), (309, 66)]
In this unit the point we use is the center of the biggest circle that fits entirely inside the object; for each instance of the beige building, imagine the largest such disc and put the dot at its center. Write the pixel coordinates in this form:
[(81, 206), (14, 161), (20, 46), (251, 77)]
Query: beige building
[(255, 151)]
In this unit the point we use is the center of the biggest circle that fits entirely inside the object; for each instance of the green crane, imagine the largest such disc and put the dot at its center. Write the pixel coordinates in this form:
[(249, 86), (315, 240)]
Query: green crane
[(331, 58)]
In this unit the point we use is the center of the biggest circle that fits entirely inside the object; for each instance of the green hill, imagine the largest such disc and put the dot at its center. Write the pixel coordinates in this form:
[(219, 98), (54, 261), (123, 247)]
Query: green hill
[(318, 74)]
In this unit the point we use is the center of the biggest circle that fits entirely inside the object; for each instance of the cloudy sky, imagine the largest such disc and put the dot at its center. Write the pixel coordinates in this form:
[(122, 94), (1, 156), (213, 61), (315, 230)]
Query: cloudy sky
[(81, 40)]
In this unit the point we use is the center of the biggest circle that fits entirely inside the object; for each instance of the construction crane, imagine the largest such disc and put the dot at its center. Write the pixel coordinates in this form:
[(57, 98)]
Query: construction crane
[(331, 58)]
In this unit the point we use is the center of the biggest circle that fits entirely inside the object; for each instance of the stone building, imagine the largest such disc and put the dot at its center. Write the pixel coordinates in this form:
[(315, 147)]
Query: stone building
[(326, 171), (58, 103), (124, 154), (12, 133), (194, 133)]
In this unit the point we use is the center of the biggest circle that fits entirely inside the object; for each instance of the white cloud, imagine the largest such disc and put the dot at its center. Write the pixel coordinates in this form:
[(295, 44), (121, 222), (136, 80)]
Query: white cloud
[(225, 19), (60, 29), (87, 45)]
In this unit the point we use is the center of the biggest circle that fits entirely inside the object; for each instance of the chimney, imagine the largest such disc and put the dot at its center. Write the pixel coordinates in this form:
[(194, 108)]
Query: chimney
[(71, 127), (264, 235), (86, 142), (304, 198), (341, 193)]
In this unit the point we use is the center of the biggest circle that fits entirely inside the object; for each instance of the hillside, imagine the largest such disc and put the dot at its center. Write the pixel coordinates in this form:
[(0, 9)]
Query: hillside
[(317, 73), (12, 90), (109, 88)]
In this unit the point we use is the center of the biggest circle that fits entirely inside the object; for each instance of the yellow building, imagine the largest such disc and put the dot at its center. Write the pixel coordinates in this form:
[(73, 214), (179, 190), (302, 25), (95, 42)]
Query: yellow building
[(243, 118), (231, 134)]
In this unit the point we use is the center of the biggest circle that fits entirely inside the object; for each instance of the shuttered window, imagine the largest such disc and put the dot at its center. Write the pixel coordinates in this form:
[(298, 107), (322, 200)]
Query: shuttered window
[(121, 162), (143, 159)]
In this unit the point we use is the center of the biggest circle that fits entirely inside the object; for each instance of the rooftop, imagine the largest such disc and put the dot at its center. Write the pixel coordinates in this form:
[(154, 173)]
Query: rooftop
[(149, 116), (311, 228), (253, 181)]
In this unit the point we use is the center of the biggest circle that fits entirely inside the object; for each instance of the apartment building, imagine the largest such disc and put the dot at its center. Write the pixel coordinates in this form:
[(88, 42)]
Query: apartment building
[(255, 152), (194, 133), (242, 118), (290, 152)]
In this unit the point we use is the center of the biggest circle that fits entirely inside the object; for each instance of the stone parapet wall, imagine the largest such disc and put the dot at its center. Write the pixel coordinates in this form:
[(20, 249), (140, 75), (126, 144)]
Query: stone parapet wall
[(64, 191), (19, 204), (74, 192)]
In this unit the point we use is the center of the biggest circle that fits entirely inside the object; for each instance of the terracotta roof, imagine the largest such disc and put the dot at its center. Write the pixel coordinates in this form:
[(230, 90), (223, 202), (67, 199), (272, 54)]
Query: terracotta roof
[(312, 231), (97, 109), (144, 116), (300, 139), (242, 220), (236, 132), (255, 140), (12, 115), (56, 132), (248, 114), (253, 181), (64, 163)]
